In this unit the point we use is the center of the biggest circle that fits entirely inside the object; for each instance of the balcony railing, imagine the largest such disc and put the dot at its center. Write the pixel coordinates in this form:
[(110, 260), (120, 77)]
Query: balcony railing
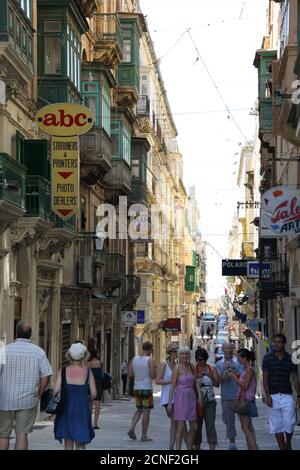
[(278, 283), (107, 27), (12, 181), (143, 106), (38, 191)]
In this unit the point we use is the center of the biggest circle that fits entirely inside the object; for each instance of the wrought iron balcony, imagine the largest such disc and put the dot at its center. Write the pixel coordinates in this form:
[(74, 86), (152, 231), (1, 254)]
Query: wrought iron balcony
[(95, 147), (12, 190), (278, 283), (143, 106), (108, 34)]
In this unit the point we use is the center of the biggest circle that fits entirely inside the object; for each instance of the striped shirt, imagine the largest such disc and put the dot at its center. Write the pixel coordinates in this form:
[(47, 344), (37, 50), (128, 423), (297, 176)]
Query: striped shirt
[(24, 365), (280, 371)]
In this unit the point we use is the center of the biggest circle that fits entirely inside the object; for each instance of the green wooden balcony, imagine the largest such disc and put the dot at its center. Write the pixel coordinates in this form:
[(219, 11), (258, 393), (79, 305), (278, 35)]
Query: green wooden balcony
[(128, 76), (17, 32), (265, 114), (138, 193), (12, 181), (38, 191)]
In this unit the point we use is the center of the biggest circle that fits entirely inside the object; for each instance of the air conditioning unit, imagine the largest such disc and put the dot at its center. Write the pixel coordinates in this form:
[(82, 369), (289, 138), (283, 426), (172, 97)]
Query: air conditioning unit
[(85, 270)]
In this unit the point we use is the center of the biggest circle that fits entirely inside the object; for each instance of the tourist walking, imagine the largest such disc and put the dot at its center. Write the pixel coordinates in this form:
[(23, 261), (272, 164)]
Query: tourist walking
[(247, 389), (143, 369), (24, 376), (96, 367), (184, 385), (124, 371), (77, 385), (208, 379), (278, 369), (229, 390), (164, 378)]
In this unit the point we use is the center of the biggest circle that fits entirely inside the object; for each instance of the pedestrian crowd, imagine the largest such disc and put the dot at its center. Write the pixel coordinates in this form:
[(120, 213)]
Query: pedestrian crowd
[(187, 395)]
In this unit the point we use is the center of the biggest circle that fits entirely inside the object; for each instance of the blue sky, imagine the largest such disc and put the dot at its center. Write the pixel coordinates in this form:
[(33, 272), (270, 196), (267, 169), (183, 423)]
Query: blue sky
[(224, 35)]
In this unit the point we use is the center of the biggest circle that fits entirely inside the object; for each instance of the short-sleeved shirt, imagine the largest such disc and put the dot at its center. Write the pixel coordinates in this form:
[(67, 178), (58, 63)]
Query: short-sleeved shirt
[(280, 371), (229, 387), (25, 364)]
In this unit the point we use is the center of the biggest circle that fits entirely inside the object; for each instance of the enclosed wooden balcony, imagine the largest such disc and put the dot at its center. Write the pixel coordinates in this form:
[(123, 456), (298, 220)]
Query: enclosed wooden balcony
[(108, 35), (119, 177), (95, 148), (12, 190)]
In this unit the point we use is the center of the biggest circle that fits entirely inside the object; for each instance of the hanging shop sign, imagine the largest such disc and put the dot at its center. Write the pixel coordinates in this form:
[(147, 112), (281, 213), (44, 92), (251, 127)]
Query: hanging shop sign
[(172, 324), (65, 122), (64, 176), (234, 267), (255, 271), (280, 212), (65, 119), (129, 318)]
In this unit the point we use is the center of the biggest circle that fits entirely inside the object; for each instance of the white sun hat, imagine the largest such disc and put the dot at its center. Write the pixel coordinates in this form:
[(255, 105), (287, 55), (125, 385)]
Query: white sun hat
[(77, 351)]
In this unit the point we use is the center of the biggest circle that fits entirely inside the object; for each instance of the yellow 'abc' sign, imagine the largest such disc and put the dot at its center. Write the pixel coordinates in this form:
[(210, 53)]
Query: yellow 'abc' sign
[(65, 119)]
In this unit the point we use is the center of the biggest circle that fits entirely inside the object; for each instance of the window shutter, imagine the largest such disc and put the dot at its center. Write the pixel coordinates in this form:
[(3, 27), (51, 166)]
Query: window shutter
[(35, 157)]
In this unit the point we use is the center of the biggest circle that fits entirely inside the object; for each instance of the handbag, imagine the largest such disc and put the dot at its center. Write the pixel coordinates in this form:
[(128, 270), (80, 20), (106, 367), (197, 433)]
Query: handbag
[(241, 406), (106, 381), (56, 403)]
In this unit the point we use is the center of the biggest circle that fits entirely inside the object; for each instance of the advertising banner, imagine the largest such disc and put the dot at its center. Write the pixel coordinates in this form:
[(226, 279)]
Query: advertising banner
[(280, 212)]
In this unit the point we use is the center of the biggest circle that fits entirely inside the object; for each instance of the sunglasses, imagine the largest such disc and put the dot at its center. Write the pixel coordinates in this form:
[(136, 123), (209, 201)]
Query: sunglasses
[(200, 359)]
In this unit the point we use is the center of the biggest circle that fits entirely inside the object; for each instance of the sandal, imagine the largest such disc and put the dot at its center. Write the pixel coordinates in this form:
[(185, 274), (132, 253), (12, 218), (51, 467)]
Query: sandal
[(145, 439), (132, 435)]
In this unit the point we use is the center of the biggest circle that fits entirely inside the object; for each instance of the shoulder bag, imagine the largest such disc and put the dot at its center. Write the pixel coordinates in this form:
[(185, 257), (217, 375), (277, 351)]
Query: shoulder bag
[(56, 404)]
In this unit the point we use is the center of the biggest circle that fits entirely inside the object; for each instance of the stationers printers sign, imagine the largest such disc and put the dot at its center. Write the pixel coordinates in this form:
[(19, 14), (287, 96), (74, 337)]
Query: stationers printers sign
[(65, 122)]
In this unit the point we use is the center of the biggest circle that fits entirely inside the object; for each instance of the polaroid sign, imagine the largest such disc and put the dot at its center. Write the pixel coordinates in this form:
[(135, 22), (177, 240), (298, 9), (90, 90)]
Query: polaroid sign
[(234, 267)]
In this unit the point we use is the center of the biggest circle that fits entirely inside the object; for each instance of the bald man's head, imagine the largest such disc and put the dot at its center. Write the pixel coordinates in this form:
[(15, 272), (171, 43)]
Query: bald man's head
[(24, 330)]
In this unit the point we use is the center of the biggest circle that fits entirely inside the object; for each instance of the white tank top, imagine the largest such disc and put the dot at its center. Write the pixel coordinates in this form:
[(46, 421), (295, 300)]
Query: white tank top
[(142, 377), (165, 390)]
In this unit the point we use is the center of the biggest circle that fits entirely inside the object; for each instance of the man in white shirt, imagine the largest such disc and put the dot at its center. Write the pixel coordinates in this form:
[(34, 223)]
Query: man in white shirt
[(24, 376), (143, 369)]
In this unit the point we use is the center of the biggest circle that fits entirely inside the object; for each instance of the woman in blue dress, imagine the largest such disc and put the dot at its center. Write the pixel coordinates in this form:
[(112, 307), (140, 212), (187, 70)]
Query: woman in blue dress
[(74, 423)]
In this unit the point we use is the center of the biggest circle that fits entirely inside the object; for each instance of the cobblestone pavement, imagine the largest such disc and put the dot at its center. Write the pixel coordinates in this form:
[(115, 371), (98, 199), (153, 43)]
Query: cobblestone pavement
[(115, 419)]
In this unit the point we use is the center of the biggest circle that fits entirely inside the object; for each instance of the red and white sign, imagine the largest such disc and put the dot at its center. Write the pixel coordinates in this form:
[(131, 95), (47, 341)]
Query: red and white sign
[(280, 212)]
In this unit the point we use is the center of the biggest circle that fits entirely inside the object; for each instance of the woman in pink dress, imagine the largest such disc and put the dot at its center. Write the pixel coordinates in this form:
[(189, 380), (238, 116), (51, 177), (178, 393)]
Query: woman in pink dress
[(184, 384)]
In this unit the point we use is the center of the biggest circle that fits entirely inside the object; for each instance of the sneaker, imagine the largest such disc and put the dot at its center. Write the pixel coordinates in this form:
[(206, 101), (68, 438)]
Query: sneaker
[(232, 446)]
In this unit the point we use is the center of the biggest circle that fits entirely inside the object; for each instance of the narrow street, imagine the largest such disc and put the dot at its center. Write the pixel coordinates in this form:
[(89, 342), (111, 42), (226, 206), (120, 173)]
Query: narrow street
[(114, 423)]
